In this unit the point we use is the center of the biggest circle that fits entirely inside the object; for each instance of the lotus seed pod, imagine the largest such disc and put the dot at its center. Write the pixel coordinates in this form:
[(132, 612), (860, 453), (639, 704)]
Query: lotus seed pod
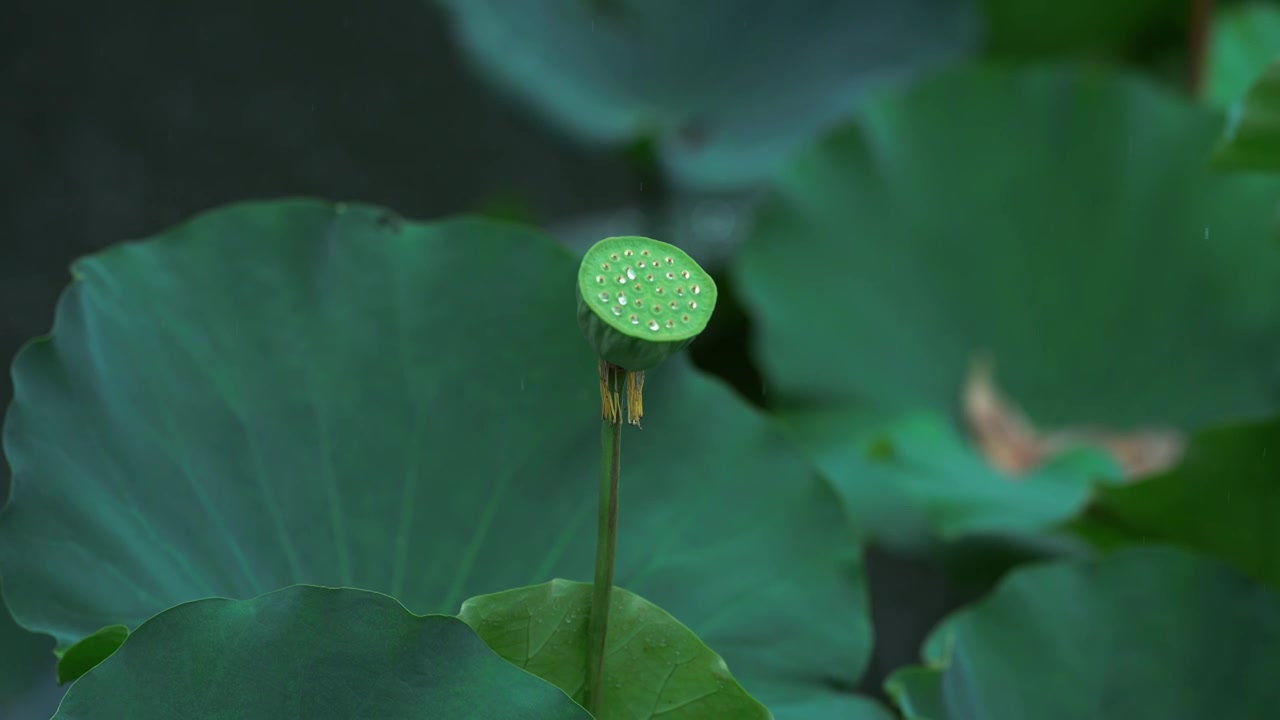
[(641, 300)]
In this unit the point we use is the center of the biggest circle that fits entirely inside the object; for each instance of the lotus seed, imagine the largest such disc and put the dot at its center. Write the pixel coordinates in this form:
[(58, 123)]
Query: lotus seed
[(674, 305), (599, 279), (696, 289), (628, 252), (680, 291), (640, 264), (693, 305), (685, 318), (671, 276), (659, 291), (649, 277), (614, 257), (622, 280), (644, 253), (684, 274), (669, 260), (657, 308), (653, 324)]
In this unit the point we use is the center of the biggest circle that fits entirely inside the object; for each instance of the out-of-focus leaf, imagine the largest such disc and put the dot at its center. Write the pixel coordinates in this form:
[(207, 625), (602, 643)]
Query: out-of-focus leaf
[(1251, 140), (729, 88), (909, 480), (1022, 29), (28, 687), (309, 652), (1062, 221), (298, 392), (1223, 499), (1246, 38), (654, 667), (1143, 633), (1013, 444)]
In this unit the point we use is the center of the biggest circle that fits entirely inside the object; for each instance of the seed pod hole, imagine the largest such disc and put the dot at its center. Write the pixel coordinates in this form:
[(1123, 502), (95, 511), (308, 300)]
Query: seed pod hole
[(693, 304), (684, 274), (653, 324), (621, 280), (659, 291), (628, 252), (696, 290)]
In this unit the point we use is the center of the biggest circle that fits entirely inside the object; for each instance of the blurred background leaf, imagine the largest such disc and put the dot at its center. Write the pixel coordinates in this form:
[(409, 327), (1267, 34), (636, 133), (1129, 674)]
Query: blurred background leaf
[(1246, 38), (1223, 499), (28, 687), (728, 90), (1252, 137), (1146, 632), (1034, 215), (1029, 29)]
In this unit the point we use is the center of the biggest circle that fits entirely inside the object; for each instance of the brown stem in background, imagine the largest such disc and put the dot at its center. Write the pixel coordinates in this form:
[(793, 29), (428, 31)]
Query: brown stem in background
[(1198, 44)]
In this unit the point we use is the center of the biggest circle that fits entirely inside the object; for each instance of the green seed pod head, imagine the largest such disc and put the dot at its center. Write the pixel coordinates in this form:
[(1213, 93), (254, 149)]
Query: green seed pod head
[(641, 300)]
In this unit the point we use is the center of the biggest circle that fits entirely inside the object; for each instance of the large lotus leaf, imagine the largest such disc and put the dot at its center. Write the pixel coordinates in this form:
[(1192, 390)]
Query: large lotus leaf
[(910, 480), (730, 89), (297, 392), (654, 666), (1246, 38), (1224, 498), (1063, 221), (309, 652), (1143, 633), (1031, 28)]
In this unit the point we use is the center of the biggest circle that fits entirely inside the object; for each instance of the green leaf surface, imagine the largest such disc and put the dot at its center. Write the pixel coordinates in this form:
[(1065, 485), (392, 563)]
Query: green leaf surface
[(1251, 140), (654, 666), (309, 652), (297, 392), (27, 681), (86, 654), (909, 480), (1224, 499), (1024, 29), (1246, 38), (1063, 221), (1143, 633), (729, 89)]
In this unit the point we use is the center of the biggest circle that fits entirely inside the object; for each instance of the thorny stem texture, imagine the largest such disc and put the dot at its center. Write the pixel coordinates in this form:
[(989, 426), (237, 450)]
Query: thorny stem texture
[(606, 538)]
